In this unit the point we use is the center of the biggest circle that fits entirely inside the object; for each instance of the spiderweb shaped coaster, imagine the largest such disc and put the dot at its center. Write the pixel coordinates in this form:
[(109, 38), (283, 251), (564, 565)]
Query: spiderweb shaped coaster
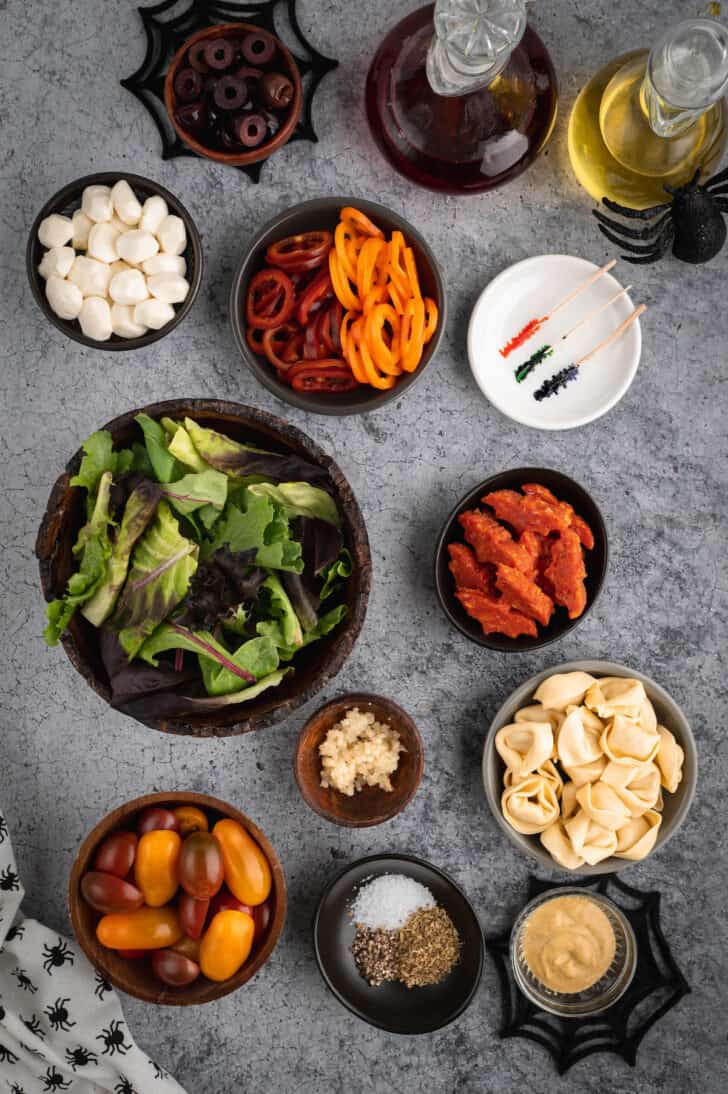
[(658, 984), (170, 23)]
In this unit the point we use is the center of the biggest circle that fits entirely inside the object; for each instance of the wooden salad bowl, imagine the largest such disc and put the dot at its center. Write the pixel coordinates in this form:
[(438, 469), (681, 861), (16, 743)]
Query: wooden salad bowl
[(370, 805), (314, 666), (136, 977)]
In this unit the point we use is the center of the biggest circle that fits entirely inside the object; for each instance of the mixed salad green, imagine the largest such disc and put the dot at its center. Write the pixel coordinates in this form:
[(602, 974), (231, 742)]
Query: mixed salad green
[(206, 565)]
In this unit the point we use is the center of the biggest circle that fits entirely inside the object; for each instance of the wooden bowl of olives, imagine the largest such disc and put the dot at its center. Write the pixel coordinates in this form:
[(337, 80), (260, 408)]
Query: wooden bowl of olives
[(199, 942), (233, 93)]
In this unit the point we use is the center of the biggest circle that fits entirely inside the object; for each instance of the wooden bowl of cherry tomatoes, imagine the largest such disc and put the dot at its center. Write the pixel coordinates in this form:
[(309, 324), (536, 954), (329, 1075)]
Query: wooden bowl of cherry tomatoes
[(177, 899)]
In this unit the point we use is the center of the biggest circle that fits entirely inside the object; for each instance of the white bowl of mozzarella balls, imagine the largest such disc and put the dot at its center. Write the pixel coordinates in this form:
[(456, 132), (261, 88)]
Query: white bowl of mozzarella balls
[(589, 766), (114, 261)]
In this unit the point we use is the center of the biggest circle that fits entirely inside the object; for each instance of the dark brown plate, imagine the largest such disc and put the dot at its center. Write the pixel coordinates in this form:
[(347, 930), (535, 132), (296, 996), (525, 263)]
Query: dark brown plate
[(370, 805), (314, 666), (136, 977), (323, 213), (66, 202), (392, 1006), (288, 123), (565, 489)]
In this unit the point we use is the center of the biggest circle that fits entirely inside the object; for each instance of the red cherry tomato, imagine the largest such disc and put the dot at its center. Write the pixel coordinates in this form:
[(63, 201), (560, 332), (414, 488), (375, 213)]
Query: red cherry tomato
[(225, 901), (156, 819), (108, 893), (190, 947), (116, 854), (192, 914), (133, 955), (270, 300), (201, 868), (174, 969), (327, 375), (261, 918)]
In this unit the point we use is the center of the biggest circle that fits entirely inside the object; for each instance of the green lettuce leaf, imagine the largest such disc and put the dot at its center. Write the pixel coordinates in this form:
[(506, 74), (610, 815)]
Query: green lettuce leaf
[(338, 571), (182, 448), (138, 512), (277, 603), (221, 670), (99, 457), (273, 630), (166, 467), (256, 522), (198, 491), (161, 567), (94, 547), (248, 464), (300, 499), (243, 696)]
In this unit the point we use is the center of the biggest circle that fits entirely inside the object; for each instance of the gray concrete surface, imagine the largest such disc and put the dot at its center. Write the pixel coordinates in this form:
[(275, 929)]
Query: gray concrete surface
[(656, 464)]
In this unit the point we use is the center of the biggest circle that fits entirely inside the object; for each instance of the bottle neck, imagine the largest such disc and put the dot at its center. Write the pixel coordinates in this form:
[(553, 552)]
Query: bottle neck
[(472, 43), (687, 72)]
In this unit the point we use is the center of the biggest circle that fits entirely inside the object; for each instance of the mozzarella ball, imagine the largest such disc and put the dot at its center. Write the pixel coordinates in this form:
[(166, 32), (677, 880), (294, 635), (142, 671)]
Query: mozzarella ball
[(123, 324), (153, 313), (102, 242), (91, 276), (154, 211), (125, 202), (136, 245), (96, 203), (57, 262), (81, 228), (55, 230), (65, 299), (128, 287), (172, 235), (118, 266), (95, 318), (164, 263), (168, 287)]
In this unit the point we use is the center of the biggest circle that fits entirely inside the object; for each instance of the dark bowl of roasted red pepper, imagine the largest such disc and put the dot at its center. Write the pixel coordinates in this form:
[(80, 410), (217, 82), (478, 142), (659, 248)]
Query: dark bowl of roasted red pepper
[(287, 318)]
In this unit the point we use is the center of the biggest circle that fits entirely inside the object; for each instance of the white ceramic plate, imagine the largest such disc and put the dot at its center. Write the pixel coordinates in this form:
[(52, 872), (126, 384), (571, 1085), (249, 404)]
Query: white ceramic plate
[(530, 289)]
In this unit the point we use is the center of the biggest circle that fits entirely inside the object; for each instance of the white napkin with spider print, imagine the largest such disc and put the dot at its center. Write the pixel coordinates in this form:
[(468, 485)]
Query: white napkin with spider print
[(61, 1024)]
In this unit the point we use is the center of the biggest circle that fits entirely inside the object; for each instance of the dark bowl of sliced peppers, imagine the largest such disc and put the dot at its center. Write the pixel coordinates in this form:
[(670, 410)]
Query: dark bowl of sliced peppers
[(338, 306)]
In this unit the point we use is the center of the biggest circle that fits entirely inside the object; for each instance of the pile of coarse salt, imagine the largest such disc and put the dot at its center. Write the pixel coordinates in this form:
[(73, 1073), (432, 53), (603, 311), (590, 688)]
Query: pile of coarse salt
[(388, 901)]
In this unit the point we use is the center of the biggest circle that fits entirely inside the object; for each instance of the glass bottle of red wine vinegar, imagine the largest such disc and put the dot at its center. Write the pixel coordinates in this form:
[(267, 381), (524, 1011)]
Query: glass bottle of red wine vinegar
[(461, 95)]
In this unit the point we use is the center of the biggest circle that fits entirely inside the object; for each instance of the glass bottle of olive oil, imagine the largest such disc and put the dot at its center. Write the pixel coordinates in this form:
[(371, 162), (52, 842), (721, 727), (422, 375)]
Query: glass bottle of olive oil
[(650, 118)]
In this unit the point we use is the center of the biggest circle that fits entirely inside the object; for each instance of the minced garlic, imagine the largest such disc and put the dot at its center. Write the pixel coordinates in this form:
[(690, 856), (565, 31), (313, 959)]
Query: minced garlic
[(358, 751)]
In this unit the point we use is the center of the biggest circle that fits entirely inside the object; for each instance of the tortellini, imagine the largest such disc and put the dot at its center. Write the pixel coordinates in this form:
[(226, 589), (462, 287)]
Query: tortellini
[(585, 767)]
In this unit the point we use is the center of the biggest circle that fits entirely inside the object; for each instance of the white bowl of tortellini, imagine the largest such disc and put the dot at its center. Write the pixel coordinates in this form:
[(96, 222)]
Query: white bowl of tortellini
[(590, 766)]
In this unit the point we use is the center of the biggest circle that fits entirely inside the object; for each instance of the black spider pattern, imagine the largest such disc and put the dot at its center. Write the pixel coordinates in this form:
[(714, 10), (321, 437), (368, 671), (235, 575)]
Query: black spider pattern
[(24, 981), (6, 1056), (15, 1089), (15, 933), (124, 1087), (58, 1015), (33, 1025), (692, 222), (3, 829), (159, 1072), (55, 957), (9, 880), (113, 1039), (102, 985), (80, 1057), (53, 1080)]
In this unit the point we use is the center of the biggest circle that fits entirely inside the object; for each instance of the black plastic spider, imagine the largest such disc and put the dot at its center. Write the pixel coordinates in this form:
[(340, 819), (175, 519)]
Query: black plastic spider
[(6, 1056), (33, 1025), (24, 981), (58, 1015), (57, 956), (102, 985), (113, 1039), (9, 880), (124, 1086), (80, 1057), (3, 829), (52, 1080), (16, 932), (693, 222)]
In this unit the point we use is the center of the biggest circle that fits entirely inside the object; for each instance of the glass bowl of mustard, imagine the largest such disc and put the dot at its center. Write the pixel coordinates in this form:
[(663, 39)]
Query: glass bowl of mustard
[(573, 952)]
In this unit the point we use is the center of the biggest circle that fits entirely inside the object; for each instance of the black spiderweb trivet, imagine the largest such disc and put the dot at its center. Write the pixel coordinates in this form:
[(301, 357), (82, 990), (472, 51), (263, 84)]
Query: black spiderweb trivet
[(166, 35), (658, 985)]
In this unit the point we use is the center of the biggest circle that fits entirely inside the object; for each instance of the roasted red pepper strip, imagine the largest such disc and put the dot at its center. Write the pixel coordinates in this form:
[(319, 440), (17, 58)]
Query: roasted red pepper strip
[(260, 293), (313, 296), (302, 252), (275, 341), (331, 374)]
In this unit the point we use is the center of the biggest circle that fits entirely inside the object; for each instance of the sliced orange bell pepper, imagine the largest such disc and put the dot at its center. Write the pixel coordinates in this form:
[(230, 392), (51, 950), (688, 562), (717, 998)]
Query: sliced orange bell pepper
[(351, 344), (431, 317), (342, 286), (412, 334), (361, 222), (374, 377), (343, 238), (411, 267), (366, 269), (385, 356)]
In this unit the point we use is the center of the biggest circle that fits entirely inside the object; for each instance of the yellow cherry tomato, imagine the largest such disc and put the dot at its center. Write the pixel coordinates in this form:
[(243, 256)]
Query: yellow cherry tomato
[(145, 929), (191, 819), (226, 944), (155, 866), (247, 872)]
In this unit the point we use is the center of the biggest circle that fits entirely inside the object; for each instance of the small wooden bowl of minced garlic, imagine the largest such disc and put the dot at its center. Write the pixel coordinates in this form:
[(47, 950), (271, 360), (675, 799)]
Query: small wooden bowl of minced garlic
[(359, 760)]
